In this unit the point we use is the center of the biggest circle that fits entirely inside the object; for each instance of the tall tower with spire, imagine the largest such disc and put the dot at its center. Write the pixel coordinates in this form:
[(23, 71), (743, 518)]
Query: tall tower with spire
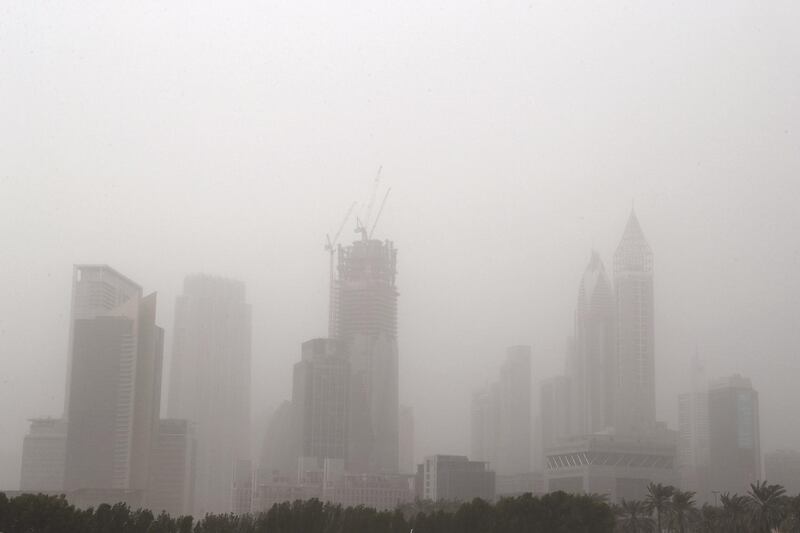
[(635, 405), (592, 366)]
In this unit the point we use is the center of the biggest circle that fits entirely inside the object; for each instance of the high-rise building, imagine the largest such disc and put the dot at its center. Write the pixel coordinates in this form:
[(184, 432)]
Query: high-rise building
[(693, 438), (171, 487), (319, 396), (635, 403), (555, 412), (484, 424), (454, 478), (514, 395), (593, 369), (210, 382), (280, 450), (501, 417), (406, 425), (96, 289), (115, 383), (734, 438), (783, 468), (43, 451), (365, 319)]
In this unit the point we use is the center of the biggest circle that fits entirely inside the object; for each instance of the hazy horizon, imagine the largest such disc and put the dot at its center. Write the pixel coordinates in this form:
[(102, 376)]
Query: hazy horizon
[(170, 140)]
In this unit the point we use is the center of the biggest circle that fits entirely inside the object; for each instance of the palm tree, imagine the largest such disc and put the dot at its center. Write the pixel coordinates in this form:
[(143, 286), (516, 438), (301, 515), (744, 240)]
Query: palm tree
[(658, 500), (634, 517), (734, 512), (682, 507), (766, 504), (710, 519)]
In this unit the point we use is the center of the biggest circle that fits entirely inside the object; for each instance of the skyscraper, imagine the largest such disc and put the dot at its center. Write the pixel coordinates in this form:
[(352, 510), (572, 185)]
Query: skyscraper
[(115, 382), (593, 367), (501, 417), (320, 394), (734, 437), (366, 321), (210, 382), (514, 395), (635, 402)]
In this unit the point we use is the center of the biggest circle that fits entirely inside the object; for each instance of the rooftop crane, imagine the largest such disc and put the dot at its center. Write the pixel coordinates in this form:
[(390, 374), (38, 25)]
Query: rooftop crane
[(378, 216), (361, 226)]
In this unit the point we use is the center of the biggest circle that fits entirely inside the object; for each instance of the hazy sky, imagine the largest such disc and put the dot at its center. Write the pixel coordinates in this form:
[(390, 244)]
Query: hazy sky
[(170, 138)]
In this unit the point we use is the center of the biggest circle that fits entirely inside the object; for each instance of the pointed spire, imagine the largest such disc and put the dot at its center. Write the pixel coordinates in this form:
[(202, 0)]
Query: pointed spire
[(633, 252)]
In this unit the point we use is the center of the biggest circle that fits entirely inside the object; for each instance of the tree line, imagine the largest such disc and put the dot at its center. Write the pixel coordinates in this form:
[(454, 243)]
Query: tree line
[(764, 509), (552, 513)]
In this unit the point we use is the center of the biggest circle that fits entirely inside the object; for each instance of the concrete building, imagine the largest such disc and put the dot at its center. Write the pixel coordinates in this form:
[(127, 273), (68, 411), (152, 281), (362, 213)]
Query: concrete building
[(602, 464), (115, 383), (43, 455), (320, 396), (734, 438), (171, 487), (406, 425), (783, 468), (592, 365), (365, 319), (210, 382), (242, 487), (635, 396), (501, 417), (454, 478)]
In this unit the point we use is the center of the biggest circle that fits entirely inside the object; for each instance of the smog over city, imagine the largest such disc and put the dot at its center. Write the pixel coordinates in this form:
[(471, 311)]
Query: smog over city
[(380, 254)]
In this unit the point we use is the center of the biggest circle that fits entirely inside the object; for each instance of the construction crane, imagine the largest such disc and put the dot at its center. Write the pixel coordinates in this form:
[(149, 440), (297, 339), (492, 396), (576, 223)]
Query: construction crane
[(378, 216), (330, 247), (361, 226)]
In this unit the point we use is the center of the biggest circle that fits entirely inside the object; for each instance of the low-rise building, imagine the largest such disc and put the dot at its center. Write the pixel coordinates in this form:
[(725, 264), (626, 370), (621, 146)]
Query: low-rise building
[(43, 452), (454, 478), (619, 468)]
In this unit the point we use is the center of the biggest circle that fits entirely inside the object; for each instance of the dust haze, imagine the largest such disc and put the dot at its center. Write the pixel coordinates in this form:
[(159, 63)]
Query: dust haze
[(172, 139)]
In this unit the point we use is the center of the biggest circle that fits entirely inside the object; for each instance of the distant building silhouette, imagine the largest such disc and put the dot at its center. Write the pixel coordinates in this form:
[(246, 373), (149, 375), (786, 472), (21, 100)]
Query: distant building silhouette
[(693, 436), (365, 319), (635, 405), (555, 411), (406, 427), (592, 367), (783, 467), (43, 455), (501, 417), (115, 382), (210, 382), (320, 396), (281, 448), (734, 435), (171, 487)]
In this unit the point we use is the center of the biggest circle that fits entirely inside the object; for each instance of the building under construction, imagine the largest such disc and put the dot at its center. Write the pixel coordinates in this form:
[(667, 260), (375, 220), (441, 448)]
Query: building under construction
[(364, 317)]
